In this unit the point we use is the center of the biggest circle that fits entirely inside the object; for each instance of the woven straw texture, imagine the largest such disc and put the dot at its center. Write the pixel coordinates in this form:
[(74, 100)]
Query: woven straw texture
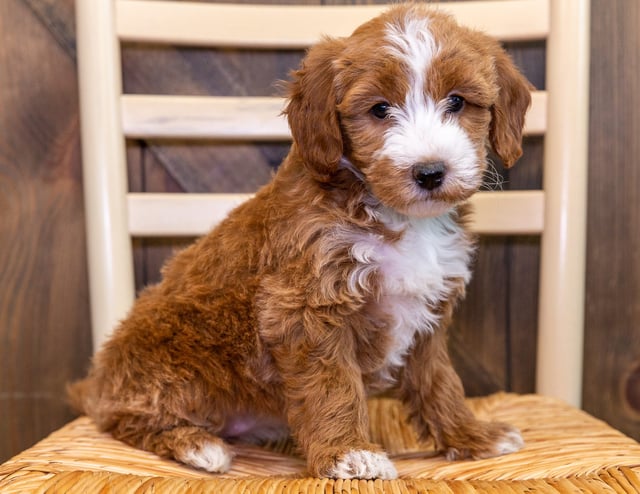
[(566, 451)]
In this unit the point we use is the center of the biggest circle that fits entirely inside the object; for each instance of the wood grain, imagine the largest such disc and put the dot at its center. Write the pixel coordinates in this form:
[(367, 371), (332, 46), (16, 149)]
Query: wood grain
[(612, 346), (44, 319)]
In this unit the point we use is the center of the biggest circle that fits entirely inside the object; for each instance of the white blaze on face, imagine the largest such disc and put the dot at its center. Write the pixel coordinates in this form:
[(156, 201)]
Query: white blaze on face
[(413, 43), (421, 130)]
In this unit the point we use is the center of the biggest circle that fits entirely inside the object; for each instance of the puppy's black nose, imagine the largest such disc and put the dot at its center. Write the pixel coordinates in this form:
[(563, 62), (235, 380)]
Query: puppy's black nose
[(429, 175)]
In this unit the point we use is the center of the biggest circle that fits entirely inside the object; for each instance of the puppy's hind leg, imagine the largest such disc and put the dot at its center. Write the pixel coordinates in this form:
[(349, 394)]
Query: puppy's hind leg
[(189, 444), (196, 447)]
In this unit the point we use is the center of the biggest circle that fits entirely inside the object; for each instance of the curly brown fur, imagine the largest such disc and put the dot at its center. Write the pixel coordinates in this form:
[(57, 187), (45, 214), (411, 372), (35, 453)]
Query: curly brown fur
[(339, 278)]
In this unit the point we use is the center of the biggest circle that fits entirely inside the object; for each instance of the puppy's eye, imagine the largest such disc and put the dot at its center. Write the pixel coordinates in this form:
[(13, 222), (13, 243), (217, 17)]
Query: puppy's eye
[(380, 110), (455, 103)]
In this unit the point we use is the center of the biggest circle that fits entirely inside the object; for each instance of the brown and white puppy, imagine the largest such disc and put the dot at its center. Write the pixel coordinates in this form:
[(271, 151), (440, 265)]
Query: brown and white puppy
[(339, 278)]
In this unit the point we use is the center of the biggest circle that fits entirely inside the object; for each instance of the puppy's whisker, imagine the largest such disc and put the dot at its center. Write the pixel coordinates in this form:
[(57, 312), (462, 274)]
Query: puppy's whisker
[(347, 165), (492, 179)]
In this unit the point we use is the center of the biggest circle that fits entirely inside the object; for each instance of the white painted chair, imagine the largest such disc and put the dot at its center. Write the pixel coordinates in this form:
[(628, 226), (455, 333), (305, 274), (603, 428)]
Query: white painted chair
[(80, 458), (108, 116)]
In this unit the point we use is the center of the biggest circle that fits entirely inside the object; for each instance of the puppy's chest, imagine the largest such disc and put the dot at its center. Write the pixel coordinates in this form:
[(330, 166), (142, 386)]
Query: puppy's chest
[(415, 274)]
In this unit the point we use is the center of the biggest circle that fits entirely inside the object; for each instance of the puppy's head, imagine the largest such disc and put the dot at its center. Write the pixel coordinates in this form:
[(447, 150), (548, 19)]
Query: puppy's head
[(412, 100)]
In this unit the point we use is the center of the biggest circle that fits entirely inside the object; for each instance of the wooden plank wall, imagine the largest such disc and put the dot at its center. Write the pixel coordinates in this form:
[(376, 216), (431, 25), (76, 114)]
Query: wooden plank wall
[(612, 346), (44, 313), (44, 322)]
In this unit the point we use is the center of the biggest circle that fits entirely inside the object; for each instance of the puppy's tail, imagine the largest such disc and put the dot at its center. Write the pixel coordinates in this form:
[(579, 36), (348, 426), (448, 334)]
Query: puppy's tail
[(76, 395)]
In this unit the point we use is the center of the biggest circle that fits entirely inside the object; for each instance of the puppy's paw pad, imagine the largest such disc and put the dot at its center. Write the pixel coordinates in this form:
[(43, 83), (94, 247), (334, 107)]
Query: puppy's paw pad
[(210, 456), (363, 464)]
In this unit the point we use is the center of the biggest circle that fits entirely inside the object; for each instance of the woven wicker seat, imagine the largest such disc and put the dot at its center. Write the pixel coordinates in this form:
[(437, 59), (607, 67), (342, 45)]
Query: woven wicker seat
[(566, 451)]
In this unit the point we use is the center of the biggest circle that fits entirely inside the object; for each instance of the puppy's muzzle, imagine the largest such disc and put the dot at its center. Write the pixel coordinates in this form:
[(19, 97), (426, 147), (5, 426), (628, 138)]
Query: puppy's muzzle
[(429, 175)]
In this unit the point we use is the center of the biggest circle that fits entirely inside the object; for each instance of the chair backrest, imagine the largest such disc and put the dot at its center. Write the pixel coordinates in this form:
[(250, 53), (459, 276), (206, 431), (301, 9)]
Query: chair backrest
[(558, 212)]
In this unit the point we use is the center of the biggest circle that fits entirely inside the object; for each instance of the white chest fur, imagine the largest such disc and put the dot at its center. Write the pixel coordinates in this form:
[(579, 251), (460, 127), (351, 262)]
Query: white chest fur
[(418, 272)]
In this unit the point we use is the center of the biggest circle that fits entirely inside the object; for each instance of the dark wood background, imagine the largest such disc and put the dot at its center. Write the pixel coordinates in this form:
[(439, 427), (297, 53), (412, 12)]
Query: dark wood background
[(44, 314)]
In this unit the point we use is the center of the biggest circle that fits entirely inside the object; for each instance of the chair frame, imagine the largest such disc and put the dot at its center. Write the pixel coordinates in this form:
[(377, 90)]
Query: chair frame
[(108, 116)]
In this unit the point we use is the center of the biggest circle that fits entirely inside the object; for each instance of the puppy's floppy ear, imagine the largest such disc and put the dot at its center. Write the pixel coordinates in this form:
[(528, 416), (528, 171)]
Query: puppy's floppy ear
[(312, 110), (509, 110)]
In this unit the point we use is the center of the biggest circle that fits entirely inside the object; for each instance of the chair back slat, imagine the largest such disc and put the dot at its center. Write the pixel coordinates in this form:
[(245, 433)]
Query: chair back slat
[(247, 118), (296, 26), (180, 215)]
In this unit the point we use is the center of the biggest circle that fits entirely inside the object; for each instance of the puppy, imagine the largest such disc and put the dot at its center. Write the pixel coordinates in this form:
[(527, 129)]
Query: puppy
[(339, 278)]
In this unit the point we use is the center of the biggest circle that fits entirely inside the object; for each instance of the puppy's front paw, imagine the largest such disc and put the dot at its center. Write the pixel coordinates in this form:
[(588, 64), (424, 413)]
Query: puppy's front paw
[(210, 456), (491, 439), (363, 464)]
